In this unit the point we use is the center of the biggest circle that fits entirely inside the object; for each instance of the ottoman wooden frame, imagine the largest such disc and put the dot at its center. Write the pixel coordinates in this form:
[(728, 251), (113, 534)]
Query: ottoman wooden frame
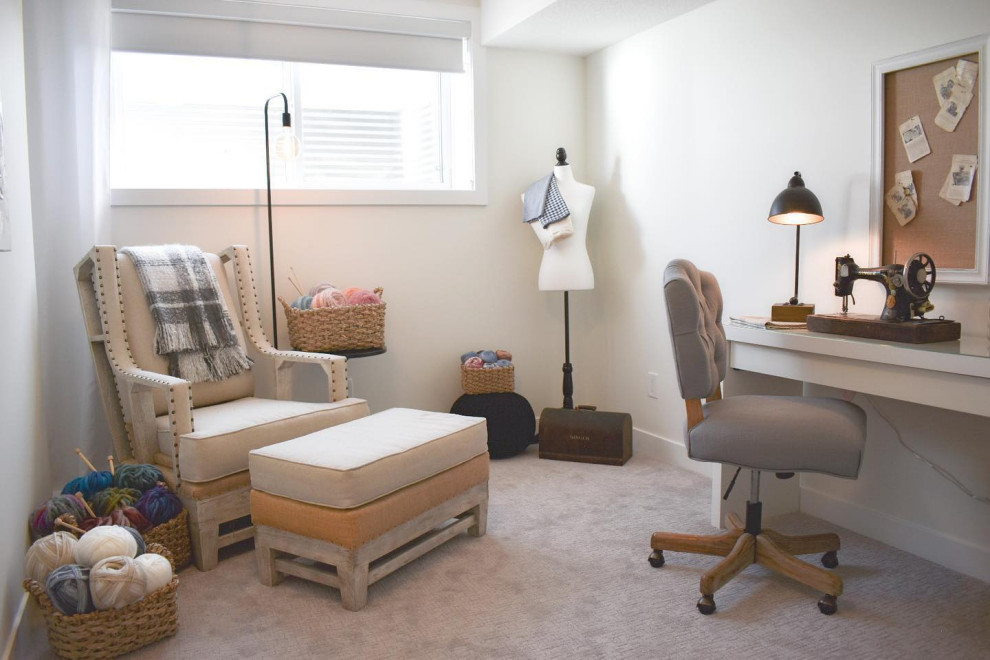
[(351, 570)]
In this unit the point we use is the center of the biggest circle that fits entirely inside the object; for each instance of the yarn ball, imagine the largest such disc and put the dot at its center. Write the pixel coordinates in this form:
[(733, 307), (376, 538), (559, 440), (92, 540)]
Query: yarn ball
[(319, 287), (102, 542), (138, 539), (302, 302), (43, 520), (490, 365), (329, 298), (503, 363), (90, 484), (157, 571), (351, 289), (141, 476), (135, 518), (468, 355), (363, 297), (68, 587), (109, 499), (473, 363), (48, 553), (488, 356), (159, 505), (503, 354), (116, 582)]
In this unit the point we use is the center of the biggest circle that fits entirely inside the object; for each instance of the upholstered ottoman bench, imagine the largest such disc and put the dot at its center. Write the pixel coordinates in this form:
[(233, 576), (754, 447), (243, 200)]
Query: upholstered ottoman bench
[(350, 504)]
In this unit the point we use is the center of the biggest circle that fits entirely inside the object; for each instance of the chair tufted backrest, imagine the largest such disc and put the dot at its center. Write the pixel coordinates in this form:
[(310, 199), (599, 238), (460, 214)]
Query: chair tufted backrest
[(694, 315)]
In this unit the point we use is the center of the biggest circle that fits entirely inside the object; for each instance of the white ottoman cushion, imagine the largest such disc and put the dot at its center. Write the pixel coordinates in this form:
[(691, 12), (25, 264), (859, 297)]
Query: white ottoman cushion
[(355, 463)]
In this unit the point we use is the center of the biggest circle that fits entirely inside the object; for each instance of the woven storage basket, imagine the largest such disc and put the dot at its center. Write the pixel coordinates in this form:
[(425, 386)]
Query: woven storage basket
[(174, 535), (329, 329), (110, 633), (487, 381)]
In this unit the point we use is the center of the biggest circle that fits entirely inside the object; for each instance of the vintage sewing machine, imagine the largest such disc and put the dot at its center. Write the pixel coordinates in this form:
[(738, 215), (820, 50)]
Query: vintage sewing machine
[(907, 287)]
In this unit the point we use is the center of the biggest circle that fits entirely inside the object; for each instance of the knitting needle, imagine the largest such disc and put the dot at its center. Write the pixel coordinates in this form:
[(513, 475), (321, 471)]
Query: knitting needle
[(86, 460)]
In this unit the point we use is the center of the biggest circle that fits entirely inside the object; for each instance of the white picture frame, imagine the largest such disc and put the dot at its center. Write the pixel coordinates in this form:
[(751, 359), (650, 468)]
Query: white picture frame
[(980, 273)]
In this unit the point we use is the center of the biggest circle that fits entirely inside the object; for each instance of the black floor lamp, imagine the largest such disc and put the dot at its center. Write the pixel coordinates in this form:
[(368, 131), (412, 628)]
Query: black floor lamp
[(287, 147)]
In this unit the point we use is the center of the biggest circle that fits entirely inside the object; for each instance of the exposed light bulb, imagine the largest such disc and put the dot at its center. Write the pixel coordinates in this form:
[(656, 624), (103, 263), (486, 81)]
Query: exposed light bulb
[(286, 146)]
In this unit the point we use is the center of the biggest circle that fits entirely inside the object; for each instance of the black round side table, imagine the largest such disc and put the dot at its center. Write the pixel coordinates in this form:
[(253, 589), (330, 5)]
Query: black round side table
[(511, 420)]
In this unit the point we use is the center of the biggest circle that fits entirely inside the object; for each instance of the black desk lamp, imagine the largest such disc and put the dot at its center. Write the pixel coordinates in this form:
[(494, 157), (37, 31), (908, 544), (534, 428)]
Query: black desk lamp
[(795, 205), (287, 147)]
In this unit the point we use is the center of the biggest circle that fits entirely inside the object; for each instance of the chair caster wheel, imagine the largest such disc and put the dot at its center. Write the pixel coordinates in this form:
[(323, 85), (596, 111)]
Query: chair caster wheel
[(830, 559), (827, 604), (656, 559), (706, 605)]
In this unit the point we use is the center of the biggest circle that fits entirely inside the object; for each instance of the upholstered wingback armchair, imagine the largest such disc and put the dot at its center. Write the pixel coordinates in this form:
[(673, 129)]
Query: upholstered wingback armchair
[(198, 434)]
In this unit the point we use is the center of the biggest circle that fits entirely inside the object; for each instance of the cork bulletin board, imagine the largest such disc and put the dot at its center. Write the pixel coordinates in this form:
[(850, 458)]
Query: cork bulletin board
[(906, 93)]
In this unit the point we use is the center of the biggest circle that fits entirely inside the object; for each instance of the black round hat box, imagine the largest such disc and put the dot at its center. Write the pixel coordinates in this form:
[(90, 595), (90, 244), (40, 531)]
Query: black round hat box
[(511, 420)]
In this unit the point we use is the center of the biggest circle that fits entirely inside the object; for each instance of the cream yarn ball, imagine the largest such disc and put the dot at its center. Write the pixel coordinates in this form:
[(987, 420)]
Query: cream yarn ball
[(48, 553), (116, 582), (157, 571), (102, 542)]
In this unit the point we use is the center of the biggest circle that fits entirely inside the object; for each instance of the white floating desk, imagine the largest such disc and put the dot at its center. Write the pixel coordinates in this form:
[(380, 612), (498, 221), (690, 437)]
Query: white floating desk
[(951, 375)]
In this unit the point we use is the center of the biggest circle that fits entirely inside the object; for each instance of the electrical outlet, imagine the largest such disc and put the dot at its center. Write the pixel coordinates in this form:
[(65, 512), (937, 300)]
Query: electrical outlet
[(652, 385)]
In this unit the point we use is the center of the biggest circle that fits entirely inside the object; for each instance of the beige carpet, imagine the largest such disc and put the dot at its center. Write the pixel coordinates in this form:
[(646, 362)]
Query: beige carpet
[(562, 573)]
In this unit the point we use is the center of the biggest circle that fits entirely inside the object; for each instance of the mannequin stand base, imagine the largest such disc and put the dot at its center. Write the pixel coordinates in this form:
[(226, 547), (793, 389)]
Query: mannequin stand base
[(788, 312)]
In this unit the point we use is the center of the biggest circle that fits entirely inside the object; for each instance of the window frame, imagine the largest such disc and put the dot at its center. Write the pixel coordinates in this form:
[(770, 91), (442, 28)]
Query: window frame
[(475, 59)]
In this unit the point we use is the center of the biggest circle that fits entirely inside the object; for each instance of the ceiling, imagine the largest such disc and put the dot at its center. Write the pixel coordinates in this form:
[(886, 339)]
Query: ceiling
[(581, 27)]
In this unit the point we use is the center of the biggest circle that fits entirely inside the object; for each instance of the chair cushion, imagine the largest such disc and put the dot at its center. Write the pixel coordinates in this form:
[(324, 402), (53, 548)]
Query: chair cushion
[(782, 434), (349, 465), (225, 433), (141, 337)]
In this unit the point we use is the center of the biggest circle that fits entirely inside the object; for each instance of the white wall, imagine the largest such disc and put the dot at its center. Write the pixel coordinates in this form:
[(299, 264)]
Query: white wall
[(456, 278), (693, 127), (23, 470)]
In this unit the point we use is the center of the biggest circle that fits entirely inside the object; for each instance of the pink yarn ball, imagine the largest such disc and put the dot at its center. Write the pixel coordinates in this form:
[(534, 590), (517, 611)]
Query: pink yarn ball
[(474, 363), (329, 298), (362, 297)]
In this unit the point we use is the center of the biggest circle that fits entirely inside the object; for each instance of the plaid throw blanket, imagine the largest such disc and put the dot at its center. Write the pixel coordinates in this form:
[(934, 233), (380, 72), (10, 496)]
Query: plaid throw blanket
[(193, 328)]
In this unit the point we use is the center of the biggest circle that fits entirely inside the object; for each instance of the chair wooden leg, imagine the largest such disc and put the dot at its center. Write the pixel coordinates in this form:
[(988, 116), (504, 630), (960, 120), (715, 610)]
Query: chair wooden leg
[(711, 544), (733, 521), (743, 554), (776, 559), (804, 545)]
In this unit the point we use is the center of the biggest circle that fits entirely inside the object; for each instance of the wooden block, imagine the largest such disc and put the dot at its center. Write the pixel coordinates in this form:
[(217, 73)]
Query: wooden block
[(914, 331), (788, 312)]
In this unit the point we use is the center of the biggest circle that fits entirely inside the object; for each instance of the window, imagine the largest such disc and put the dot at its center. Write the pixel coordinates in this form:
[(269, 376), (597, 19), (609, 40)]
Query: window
[(187, 118)]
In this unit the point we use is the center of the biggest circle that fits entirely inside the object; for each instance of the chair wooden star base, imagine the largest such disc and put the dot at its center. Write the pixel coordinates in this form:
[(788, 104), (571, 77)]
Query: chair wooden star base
[(766, 547)]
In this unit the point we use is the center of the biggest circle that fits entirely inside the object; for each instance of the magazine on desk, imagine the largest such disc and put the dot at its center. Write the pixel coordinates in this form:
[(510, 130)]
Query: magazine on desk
[(765, 322)]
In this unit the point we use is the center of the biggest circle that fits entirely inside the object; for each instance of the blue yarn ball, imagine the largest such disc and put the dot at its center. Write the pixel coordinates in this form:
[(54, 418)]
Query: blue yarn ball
[(141, 476), (503, 363), (159, 505), (97, 481), (68, 587), (488, 357), (77, 485)]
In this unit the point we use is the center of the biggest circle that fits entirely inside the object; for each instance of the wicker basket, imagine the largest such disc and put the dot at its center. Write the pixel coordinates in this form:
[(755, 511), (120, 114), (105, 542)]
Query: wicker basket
[(174, 535), (487, 381), (328, 329), (110, 633)]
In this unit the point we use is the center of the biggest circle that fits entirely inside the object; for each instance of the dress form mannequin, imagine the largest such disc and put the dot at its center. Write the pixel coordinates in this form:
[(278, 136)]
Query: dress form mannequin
[(565, 265)]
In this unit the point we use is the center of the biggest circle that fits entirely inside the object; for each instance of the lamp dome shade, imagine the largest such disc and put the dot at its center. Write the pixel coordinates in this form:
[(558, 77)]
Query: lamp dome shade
[(796, 205)]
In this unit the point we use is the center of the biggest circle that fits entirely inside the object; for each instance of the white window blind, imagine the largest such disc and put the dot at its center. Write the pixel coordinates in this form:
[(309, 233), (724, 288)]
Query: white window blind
[(247, 29)]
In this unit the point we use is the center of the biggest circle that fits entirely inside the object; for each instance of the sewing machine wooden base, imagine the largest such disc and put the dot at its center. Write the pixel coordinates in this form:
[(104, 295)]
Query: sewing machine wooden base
[(914, 331)]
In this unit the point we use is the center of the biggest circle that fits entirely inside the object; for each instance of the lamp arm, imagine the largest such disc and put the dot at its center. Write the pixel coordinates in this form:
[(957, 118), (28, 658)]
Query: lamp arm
[(797, 263), (286, 121)]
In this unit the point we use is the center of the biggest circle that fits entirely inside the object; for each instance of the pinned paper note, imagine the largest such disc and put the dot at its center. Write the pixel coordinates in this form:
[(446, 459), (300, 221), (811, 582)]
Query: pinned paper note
[(954, 89), (905, 180), (913, 138), (901, 205)]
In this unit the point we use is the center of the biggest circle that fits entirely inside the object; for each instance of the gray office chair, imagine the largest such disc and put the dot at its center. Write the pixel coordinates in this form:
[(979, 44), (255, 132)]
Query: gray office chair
[(780, 434)]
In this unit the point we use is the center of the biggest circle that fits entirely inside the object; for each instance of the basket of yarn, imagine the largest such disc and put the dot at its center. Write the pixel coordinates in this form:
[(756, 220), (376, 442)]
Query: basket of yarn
[(486, 372), (114, 606), (328, 319)]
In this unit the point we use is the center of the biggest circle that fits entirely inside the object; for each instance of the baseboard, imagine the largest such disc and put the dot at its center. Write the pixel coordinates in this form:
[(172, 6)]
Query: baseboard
[(943, 549), (8, 651), (666, 450)]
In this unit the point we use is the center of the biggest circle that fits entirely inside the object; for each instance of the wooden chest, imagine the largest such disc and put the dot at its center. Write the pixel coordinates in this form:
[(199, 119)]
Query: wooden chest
[(588, 436)]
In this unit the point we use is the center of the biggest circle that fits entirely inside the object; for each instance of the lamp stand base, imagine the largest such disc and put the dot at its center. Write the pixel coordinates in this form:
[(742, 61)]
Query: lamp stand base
[(789, 312)]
